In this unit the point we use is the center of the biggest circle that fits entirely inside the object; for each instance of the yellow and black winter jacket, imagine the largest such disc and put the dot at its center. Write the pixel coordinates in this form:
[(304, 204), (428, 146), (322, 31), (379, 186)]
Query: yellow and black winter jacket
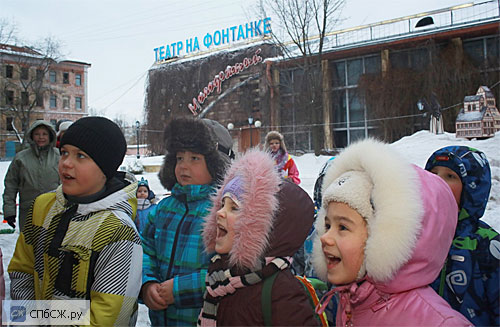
[(81, 251)]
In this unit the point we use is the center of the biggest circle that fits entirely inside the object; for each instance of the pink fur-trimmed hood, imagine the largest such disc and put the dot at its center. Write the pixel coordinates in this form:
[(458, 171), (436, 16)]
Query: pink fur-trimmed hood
[(274, 218)]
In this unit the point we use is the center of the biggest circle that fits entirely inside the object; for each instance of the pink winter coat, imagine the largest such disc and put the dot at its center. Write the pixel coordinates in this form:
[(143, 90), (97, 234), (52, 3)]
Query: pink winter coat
[(409, 236), (2, 285)]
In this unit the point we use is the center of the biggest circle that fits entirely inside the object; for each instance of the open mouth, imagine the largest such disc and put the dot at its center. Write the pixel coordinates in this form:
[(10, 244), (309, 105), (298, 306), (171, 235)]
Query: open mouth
[(221, 231), (67, 177), (332, 260)]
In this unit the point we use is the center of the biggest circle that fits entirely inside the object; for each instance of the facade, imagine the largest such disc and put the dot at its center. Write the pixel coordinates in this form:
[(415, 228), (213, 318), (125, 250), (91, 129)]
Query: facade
[(479, 116), (33, 86), (371, 78)]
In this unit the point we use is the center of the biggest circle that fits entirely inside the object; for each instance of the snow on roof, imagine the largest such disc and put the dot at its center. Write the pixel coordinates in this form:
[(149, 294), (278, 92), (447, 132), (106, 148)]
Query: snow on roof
[(470, 115), (471, 98)]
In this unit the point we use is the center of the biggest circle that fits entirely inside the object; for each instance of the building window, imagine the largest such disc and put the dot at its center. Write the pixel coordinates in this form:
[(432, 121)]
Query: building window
[(53, 101), (65, 102), (78, 103), (9, 71), (9, 97), (53, 76), (8, 123), (25, 98), (39, 74), (25, 72), (65, 78), (78, 79), (39, 100)]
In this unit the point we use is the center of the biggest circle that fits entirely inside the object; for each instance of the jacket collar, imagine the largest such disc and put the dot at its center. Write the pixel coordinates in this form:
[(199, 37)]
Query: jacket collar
[(193, 192)]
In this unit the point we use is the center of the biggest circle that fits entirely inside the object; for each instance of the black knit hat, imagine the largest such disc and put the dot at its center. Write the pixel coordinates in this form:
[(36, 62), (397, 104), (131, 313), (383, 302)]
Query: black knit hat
[(203, 136), (101, 139)]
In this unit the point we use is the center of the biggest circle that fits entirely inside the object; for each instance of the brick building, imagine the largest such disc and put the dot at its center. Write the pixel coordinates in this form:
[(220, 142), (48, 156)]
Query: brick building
[(34, 86)]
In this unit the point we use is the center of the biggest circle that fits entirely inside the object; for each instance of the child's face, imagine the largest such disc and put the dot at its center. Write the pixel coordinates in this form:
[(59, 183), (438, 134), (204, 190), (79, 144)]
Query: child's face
[(142, 192), (343, 243), (191, 169), (41, 136), (79, 174), (226, 218), (452, 179), (274, 145)]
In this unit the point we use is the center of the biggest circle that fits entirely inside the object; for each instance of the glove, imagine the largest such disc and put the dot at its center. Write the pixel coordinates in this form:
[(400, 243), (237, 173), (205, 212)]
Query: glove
[(11, 220)]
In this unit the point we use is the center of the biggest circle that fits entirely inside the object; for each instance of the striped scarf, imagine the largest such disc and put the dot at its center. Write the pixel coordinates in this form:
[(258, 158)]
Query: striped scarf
[(221, 281)]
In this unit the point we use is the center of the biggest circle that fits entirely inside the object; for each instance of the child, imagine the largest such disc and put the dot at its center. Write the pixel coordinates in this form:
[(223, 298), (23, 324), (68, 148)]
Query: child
[(256, 224), (33, 171), (63, 127), (469, 280), (385, 228), (2, 285), (275, 144), (80, 241), (145, 203), (175, 264)]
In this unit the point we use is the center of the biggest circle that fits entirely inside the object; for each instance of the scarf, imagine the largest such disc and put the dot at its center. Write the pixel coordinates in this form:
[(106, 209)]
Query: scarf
[(221, 281), (281, 158)]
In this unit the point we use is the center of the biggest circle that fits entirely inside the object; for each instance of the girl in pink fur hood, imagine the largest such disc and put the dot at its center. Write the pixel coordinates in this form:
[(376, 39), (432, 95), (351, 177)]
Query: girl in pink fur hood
[(258, 221), (384, 230)]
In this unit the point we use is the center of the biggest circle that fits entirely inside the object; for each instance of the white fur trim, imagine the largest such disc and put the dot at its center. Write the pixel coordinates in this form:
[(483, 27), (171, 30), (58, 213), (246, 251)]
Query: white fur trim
[(398, 208)]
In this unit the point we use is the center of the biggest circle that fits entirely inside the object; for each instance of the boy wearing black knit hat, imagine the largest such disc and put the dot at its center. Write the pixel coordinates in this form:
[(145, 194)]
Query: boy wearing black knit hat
[(80, 240), (175, 263)]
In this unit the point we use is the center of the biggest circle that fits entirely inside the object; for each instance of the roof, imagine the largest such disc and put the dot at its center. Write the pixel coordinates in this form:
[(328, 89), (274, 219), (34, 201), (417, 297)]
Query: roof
[(470, 115), (487, 91), (14, 49), (470, 98)]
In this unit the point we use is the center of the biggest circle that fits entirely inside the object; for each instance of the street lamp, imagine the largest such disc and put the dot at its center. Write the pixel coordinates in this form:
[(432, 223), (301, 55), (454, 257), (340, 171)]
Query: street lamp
[(250, 122), (137, 126)]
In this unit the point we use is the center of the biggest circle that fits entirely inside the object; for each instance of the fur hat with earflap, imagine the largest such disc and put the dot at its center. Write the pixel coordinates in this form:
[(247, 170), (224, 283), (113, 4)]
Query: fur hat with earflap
[(202, 136), (275, 135), (409, 214)]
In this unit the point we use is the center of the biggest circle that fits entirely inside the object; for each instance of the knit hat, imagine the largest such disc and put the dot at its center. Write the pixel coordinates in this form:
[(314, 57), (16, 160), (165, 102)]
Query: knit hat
[(234, 190), (63, 127), (353, 188), (101, 139), (202, 136)]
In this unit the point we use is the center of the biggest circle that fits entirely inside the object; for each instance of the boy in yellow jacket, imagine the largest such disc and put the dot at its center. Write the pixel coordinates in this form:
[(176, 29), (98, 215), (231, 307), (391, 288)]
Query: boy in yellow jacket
[(80, 241)]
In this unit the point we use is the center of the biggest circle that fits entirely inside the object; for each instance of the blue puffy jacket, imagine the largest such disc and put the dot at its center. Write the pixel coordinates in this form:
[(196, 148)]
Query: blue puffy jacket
[(469, 280)]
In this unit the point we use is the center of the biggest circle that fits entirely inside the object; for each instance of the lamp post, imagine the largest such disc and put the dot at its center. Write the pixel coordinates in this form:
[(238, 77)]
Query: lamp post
[(137, 126), (250, 122)]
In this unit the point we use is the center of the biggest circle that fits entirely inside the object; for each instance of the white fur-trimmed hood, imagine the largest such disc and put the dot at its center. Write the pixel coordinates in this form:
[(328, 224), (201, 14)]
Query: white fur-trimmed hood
[(393, 231)]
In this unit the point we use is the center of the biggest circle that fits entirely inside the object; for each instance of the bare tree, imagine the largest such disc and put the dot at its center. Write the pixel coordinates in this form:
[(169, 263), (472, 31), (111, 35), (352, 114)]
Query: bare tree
[(8, 31), (300, 33), (22, 81)]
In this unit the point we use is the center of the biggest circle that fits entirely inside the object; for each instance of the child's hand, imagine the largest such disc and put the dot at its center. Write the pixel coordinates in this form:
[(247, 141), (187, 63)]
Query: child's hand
[(166, 291), (152, 298)]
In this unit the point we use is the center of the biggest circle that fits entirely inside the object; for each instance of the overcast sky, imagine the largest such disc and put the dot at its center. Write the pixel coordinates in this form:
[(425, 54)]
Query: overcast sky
[(118, 37)]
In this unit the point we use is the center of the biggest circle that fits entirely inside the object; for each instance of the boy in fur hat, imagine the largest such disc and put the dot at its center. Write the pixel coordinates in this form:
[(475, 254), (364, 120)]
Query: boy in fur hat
[(175, 263), (385, 228), (275, 144), (257, 222), (80, 241)]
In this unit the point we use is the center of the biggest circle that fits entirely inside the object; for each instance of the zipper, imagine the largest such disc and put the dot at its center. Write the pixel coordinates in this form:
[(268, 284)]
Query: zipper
[(176, 238)]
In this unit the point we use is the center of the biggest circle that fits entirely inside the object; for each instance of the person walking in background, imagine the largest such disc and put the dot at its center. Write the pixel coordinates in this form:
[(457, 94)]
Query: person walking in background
[(2, 285), (257, 222), (33, 171), (175, 263), (80, 241), (385, 227), (275, 144), (469, 278), (63, 127), (145, 203)]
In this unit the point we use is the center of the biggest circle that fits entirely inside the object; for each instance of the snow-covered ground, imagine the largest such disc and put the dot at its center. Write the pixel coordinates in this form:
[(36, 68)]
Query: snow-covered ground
[(417, 148)]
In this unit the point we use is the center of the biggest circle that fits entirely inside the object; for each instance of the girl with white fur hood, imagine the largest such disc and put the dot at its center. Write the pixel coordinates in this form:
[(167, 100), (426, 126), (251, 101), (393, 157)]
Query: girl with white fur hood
[(258, 221), (384, 230)]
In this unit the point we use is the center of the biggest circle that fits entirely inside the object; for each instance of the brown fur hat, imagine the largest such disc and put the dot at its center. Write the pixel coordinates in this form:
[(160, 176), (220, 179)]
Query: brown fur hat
[(275, 135), (203, 136)]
